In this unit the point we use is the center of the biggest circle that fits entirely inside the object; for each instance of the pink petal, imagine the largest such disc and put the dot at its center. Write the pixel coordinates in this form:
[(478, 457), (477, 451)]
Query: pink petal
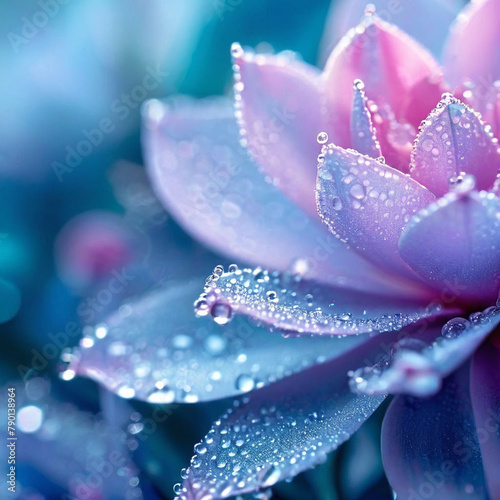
[(395, 69), (427, 21), (471, 52), (206, 180), (367, 204), (454, 244), (452, 142), (485, 394), (363, 135), (298, 306), (280, 111)]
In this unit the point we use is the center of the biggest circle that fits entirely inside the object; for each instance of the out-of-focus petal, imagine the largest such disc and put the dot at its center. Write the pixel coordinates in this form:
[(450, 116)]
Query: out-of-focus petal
[(156, 350), (417, 368), (280, 112), (204, 177), (485, 395), (454, 244), (453, 142), (471, 50), (406, 76), (367, 204), (426, 20), (278, 432), (363, 135), (297, 306), (78, 454), (430, 446)]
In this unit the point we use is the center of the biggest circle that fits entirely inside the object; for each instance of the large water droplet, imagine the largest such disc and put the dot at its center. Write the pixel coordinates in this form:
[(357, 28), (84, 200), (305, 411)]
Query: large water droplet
[(221, 313), (322, 138), (245, 383), (455, 327)]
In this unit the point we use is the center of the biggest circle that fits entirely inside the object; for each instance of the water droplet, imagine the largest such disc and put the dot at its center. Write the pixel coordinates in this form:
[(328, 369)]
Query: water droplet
[(322, 138), (232, 268), (272, 296), (218, 270), (201, 307), (200, 448), (337, 203), (236, 50), (359, 84), (357, 191), (221, 313), (462, 183), (455, 327), (245, 383)]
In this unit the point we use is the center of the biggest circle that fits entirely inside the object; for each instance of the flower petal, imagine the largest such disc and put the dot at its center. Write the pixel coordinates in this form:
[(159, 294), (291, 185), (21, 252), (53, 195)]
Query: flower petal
[(407, 78), (363, 135), (471, 50), (452, 142), (367, 204), (485, 395), (205, 178), (280, 111), (430, 446), (427, 21), (294, 305), (156, 350), (278, 432), (69, 448), (417, 368), (455, 244)]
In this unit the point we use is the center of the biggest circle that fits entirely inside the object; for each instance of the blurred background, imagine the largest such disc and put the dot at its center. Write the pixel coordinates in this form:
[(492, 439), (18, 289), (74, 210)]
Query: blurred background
[(75, 203)]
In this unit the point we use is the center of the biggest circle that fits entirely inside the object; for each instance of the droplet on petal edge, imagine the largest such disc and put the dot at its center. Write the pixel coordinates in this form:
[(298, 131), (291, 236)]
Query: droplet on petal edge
[(294, 305), (415, 368)]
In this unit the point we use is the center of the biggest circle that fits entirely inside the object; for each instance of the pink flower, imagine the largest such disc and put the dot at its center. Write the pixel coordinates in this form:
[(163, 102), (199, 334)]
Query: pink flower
[(415, 216)]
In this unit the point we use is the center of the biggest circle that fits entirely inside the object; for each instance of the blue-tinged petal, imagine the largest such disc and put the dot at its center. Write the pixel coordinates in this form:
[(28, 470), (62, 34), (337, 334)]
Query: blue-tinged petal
[(66, 453), (417, 368), (485, 395), (363, 135), (430, 447), (425, 20), (367, 204), (156, 350), (454, 244), (297, 306), (279, 431), (204, 177), (453, 142)]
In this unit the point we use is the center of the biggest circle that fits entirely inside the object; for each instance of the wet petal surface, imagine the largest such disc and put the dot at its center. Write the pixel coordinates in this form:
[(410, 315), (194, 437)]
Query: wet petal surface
[(156, 350), (453, 142), (204, 177), (296, 306), (367, 204), (455, 243), (417, 368), (280, 112), (430, 446), (278, 432), (363, 135)]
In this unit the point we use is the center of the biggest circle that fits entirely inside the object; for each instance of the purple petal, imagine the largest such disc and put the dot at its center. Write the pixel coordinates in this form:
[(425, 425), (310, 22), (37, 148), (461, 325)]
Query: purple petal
[(367, 204), (454, 244), (426, 20), (156, 350), (430, 447), (279, 431), (453, 142), (280, 111), (471, 51), (205, 178), (485, 395), (80, 453), (411, 92), (417, 368), (295, 305), (363, 135)]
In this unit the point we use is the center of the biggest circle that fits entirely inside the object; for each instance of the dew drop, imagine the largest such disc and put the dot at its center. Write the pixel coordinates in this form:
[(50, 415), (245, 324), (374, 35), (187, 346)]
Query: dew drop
[(221, 313), (245, 383), (454, 328), (322, 138), (201, 307), (337, 203), (357, 191), (232, 268), (272, 296)]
